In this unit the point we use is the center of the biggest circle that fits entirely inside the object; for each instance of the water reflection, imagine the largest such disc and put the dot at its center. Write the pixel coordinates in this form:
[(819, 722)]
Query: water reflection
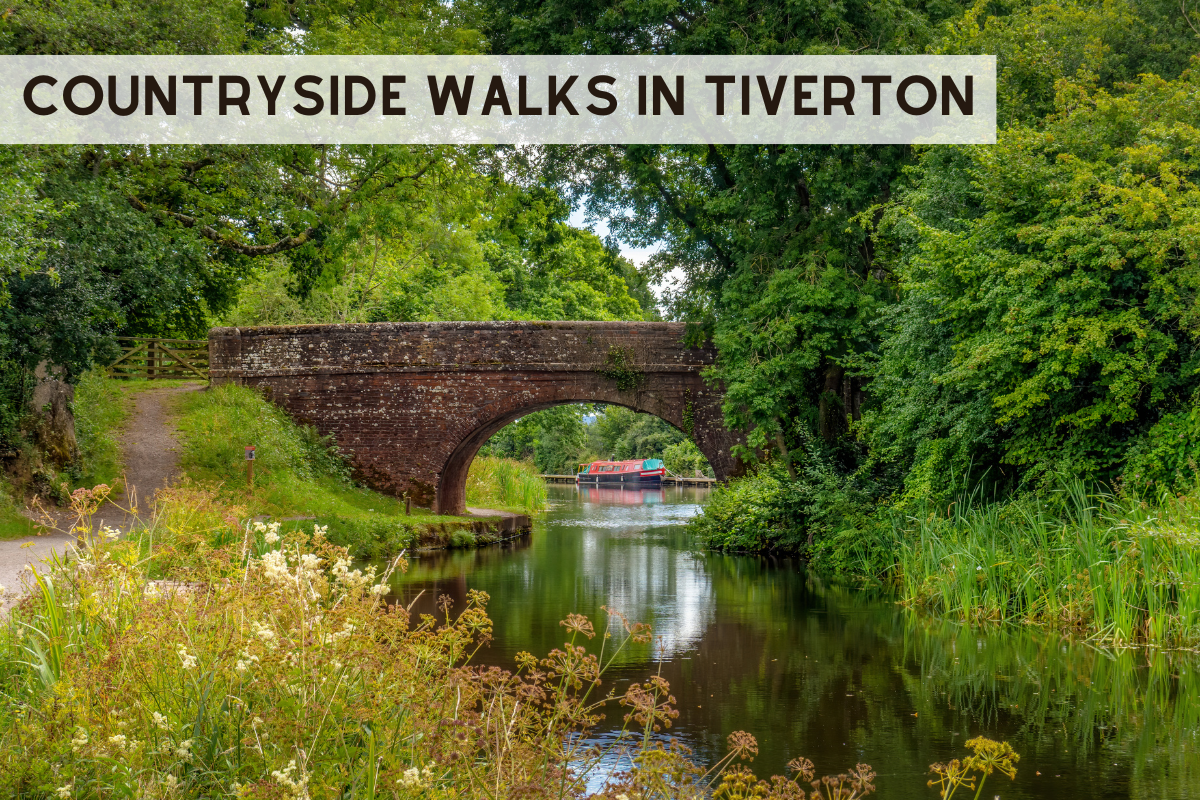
[(832, 673)]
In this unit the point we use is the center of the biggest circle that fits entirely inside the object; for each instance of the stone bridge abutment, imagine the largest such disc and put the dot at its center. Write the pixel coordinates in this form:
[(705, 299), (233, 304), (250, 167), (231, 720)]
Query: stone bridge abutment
[(410, 404)]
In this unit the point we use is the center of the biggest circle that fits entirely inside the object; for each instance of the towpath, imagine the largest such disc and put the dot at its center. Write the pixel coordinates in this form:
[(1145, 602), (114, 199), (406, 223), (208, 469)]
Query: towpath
[(150, 451)]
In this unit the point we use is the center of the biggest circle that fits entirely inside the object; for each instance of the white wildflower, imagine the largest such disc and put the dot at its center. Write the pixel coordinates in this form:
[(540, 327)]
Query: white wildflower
[(184, 750), (412, 778), (427, 773), (65, 791), (79, 739), (275, 566), (298, 786), (170, 783), (110, 533), (188, 661), (319, 531), (160, 722), (271, 538), (266, 634), (119, 741)]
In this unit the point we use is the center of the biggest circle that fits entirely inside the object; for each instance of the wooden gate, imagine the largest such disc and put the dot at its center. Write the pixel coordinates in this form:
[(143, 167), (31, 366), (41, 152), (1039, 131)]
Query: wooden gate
[(161, 358)]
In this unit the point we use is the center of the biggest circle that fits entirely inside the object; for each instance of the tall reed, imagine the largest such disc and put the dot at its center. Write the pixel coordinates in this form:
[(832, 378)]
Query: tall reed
[(1119, 569), (506, 484)]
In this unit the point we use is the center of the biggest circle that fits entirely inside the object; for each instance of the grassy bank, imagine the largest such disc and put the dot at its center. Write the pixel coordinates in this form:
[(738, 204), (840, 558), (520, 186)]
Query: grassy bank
[(298, 473), (505, 484), (202, 658), (1119, 570)]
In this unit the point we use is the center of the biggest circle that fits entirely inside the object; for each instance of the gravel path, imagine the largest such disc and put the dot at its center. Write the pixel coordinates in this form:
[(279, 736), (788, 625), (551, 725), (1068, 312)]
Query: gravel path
[(151, 455)]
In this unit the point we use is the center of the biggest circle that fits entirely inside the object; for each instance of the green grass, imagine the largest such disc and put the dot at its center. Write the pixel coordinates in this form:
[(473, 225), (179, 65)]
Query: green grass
[(1119, 570), (13, 524), (507, 485), (297, 473)]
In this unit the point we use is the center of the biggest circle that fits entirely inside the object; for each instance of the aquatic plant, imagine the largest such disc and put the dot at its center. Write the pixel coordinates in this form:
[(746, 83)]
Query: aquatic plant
[(1122, 570)]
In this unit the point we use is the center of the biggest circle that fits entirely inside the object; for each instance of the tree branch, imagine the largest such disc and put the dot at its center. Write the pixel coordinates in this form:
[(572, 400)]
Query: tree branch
[(221, 240)]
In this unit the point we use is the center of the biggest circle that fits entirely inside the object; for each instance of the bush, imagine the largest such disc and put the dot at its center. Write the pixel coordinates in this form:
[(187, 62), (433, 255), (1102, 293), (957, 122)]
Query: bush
[(760, 512)]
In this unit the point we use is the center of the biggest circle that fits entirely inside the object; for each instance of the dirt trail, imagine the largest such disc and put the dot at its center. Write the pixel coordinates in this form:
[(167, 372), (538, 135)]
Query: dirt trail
[(151, 454)]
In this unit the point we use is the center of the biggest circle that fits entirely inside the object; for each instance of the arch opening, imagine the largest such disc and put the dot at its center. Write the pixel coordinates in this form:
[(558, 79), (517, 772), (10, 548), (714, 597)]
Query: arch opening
[(662, 433)]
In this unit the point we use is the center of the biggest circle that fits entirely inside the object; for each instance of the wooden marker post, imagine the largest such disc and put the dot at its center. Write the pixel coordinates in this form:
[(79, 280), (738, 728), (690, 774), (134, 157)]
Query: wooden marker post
[(250, 466)]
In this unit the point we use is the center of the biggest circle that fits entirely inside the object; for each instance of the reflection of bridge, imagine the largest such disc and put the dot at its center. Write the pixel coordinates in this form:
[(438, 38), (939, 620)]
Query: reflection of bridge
[(411, 403)]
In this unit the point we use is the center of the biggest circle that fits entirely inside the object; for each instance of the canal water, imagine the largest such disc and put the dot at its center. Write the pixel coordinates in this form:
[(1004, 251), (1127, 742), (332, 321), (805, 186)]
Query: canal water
[(837, 674)]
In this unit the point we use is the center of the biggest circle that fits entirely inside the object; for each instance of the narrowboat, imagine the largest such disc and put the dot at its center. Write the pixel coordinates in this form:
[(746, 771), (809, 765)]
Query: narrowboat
[(641, 472)]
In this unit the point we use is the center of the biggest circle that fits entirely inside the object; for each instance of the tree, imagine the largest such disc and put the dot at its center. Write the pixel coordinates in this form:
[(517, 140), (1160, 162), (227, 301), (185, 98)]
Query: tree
[(1053, 325)]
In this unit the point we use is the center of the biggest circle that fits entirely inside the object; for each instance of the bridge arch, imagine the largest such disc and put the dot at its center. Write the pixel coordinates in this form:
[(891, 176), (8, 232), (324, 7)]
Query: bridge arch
[(410, 404)]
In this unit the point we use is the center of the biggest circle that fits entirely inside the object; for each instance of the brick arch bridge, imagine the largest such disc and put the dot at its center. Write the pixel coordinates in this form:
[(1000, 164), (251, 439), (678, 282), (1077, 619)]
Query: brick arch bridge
[(411, 403)]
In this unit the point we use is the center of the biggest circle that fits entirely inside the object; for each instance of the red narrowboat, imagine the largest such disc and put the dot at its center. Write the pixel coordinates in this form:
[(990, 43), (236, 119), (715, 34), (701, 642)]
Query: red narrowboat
[(642, 472)]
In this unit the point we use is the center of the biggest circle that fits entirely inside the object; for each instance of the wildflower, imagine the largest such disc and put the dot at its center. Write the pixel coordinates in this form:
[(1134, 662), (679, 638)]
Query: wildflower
[(265, 633), (275, 566), (160, 721), (188, 661), (170, 783), (79, 739), (284, 777), (184, 750), (65, 791), (110, 534), (271, 538), (743, 745), (118, 741), (411, 779)]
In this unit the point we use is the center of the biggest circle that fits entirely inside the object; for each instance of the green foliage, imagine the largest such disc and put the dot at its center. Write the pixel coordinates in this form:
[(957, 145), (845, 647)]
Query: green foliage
[(554, 439), (622, 433), (1121, 570), (684, 458), (1059, 321), (621, 368), (759, 513), (506, 485), (100, 407)]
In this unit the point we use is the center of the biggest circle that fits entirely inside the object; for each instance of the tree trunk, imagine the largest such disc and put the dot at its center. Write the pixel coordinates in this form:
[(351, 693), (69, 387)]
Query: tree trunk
[(831, 409)]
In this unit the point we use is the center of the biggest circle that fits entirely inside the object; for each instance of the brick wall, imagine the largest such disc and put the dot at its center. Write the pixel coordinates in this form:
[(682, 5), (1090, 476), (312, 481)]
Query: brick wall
[(411, 403)]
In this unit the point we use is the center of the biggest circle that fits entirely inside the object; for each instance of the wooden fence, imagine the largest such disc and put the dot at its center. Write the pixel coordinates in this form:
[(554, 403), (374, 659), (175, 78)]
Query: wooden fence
[(161, 358)]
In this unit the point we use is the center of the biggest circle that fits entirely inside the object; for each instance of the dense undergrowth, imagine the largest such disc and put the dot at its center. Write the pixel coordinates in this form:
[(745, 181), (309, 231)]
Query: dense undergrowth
[(208, 656)]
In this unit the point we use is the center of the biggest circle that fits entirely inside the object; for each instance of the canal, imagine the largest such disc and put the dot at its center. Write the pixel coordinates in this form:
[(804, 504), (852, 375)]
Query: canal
[(837, 674)]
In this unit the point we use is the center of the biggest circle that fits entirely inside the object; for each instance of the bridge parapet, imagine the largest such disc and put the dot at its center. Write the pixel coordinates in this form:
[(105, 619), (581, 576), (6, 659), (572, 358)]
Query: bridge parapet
[(411, 403)]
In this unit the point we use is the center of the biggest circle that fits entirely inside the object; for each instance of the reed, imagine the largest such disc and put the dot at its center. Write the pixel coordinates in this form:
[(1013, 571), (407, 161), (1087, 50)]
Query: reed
[(505, 484), (1119, 569)]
